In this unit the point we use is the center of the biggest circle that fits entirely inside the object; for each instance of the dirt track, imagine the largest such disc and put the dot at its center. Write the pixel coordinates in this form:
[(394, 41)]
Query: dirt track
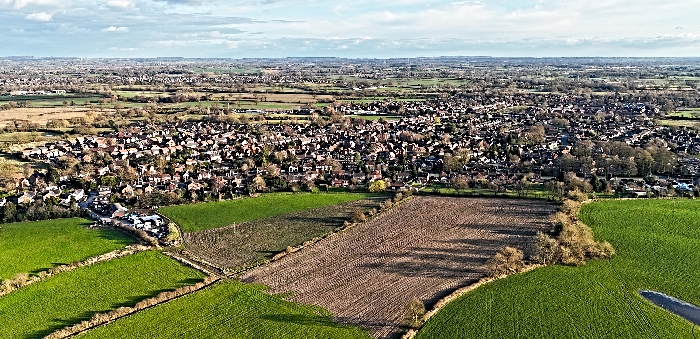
[(425, 248)]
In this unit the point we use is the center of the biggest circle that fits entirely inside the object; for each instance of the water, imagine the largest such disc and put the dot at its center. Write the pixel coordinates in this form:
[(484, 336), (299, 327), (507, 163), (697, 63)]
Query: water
[(678, 307)]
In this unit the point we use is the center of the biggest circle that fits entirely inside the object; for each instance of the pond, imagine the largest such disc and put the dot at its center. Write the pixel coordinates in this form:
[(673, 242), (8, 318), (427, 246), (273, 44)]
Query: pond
[(678, 307)]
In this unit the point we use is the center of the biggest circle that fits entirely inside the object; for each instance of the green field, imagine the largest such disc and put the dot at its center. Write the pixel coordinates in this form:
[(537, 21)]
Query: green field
[(228, 310), (198, 217), (30, 247), (687, 113), (657, 244), (68, 298), (536, 191)]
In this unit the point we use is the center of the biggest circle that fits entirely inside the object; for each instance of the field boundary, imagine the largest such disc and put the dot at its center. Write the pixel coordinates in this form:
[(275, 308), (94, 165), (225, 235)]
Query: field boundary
[(459, 293), (100, 319), (43, 275), (313, 241)]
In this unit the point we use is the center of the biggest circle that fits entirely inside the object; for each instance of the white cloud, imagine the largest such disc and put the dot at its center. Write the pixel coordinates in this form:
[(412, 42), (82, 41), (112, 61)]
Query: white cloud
[(121, 29), (24, 3), (41, 17), (121, 3)]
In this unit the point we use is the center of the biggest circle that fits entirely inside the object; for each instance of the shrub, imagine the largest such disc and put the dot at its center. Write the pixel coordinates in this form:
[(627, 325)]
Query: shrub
[(174, 236), (19, 280), (547, 249), (416, 311), (358, 215), (577, 195), (508, 260)]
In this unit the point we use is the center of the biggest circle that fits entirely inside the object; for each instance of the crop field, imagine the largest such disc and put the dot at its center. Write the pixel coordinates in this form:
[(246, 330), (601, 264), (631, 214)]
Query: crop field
[(657, 245), (229, 310), (30, 247), (687, 113), (426, 248), (254, 241), (198, 217), (70, 297), (42, 115)]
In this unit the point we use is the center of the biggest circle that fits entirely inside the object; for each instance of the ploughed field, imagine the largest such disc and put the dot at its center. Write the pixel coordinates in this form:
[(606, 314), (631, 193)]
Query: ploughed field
[(252, 242), (426, 248)]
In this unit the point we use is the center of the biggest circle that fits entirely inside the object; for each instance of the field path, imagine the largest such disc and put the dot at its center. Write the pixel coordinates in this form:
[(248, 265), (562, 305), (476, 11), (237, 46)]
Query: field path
[(426, 247)]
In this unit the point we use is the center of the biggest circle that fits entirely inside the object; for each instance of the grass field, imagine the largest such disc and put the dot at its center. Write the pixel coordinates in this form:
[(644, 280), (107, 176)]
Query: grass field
[(29, 247), (657, 244), (254, 241), (534, 192), (228, 310), (198, 217), (687, 113), (70, 297)]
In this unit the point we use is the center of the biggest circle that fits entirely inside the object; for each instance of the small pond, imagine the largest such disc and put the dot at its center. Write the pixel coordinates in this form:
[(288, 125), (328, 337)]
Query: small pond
[(678, 307)]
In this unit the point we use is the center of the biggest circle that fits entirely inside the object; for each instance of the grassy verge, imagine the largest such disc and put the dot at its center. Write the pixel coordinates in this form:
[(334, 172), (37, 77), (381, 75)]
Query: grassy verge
[(198, 217), (71, 297), (656, 243), (228, 310), (30, 247)]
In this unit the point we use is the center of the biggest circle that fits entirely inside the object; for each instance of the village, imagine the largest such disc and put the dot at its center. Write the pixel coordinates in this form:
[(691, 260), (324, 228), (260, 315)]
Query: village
[(431, 142)]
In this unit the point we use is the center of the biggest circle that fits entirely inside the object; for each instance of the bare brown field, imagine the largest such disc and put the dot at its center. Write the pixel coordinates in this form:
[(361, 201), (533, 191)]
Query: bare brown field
[(426, 247), (41, 115)]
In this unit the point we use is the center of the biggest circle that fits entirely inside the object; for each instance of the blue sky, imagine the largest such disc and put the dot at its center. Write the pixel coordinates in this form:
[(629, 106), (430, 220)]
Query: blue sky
[(389, 28)]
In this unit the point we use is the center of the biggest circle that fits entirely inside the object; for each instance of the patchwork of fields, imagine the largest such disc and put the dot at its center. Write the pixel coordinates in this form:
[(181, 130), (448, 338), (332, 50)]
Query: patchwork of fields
[(657, 244), (425, 247), (357, 283), (70, 297), (251, 242)]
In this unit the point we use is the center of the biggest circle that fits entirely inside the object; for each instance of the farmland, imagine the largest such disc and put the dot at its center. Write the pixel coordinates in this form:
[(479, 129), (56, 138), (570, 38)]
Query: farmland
[(68, 298), (198, 217), (425, 248), (29, 247), (656, 243), (254, 241), (229, 310)]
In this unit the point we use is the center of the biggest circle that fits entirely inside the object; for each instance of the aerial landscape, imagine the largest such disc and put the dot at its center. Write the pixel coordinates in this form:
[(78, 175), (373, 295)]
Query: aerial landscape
[(410, 169)]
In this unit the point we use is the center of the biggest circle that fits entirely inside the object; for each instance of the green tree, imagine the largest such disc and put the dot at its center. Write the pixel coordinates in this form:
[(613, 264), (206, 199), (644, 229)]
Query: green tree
[(52, 174), (10, 214)]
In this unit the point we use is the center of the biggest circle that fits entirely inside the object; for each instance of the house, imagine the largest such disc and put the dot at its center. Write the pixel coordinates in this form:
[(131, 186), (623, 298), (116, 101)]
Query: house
[(118, 211)]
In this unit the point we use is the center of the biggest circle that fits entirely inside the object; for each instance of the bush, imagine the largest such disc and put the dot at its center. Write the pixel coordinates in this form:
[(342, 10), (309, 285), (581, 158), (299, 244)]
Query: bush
[(174, 236), (508, 260), (358, 215), (547, 249), (416, 311), (576, 242), (577, 195)]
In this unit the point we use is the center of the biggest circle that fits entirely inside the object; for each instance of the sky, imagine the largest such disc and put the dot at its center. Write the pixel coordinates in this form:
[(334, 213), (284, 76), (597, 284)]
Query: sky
[(357, 29)]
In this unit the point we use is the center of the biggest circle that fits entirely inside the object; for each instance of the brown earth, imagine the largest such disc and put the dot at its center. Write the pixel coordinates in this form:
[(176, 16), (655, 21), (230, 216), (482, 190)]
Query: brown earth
[(426, 247)]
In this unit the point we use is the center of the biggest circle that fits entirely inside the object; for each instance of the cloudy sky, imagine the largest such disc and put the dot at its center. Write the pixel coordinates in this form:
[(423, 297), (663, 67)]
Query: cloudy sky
[(378, 28)]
